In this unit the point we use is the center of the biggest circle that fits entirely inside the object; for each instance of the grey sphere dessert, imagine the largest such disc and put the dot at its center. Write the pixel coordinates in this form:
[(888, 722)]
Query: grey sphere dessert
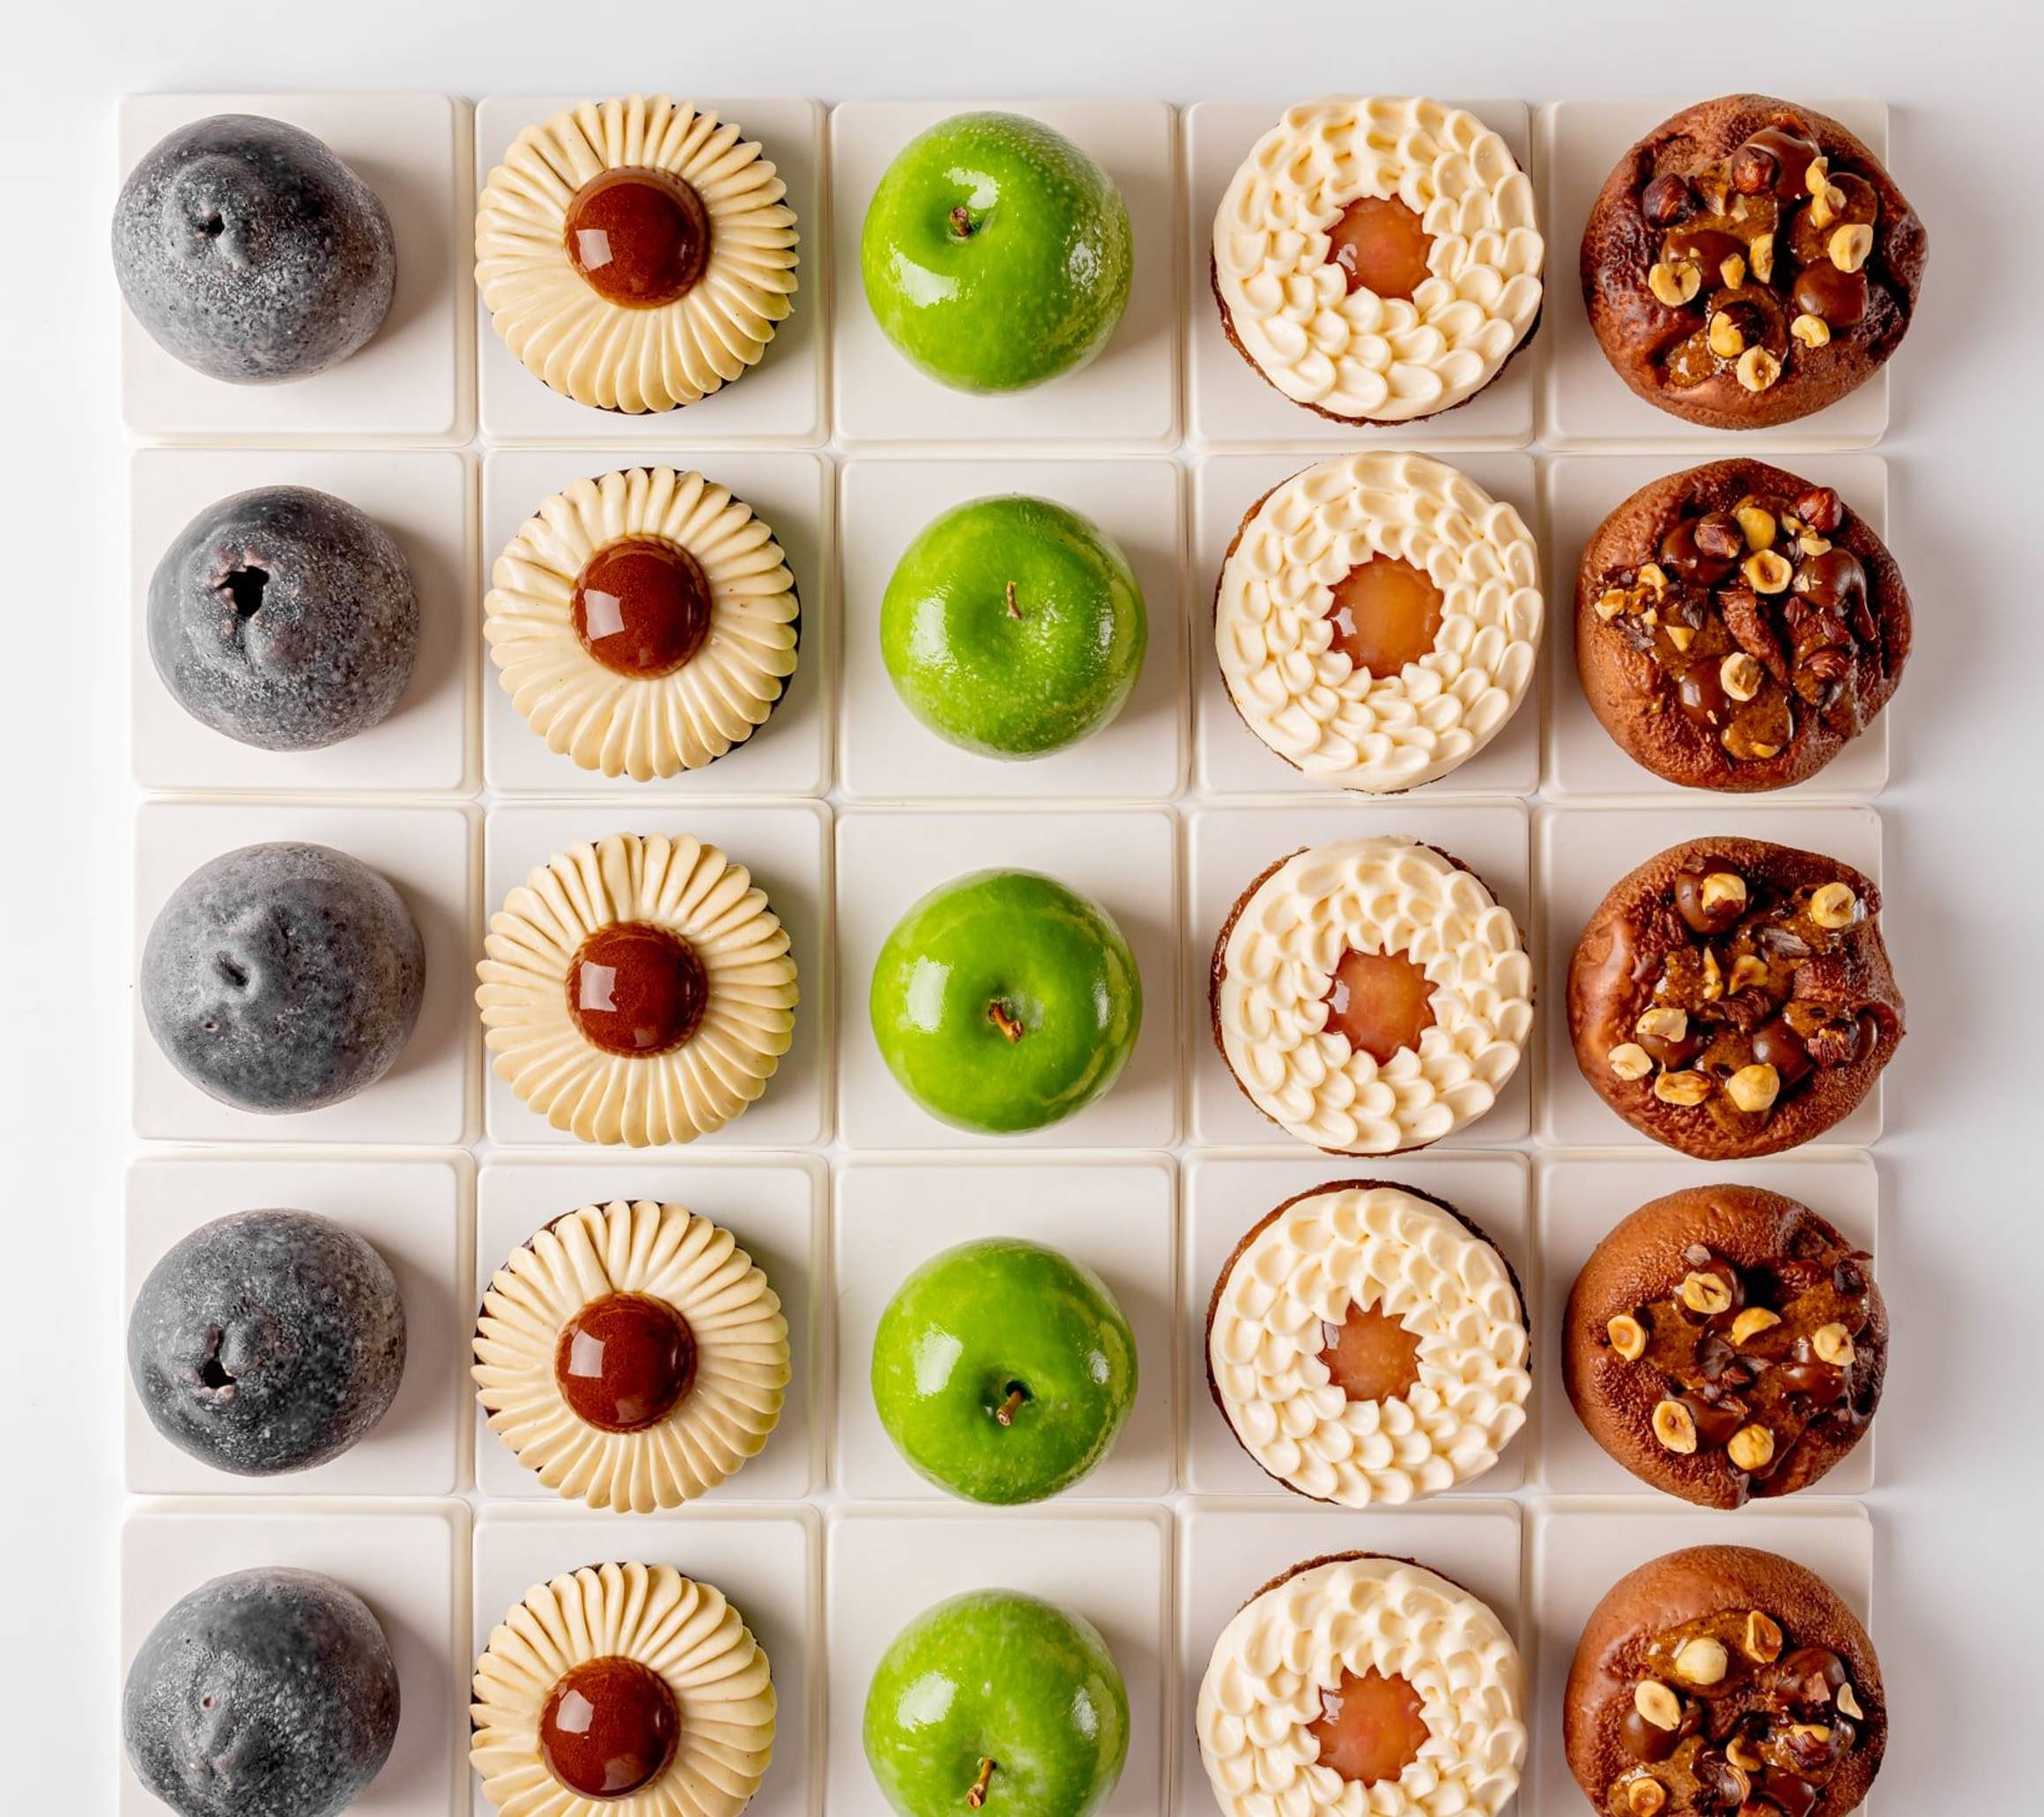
[(283, 977), (284, 618), (251, 253), (267, 1341), (267, 1693)]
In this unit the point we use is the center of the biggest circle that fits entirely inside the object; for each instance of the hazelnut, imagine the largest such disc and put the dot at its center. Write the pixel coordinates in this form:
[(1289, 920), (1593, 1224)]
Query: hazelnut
[(1731, 272), (1702, 1661), (1628, 1336), (1705, 1293), (1611, 604), (1827, 203), (1676, 1428), (1767, 571), (1752, 170), (1724, 338), (1753, 1088), (1760, 257), (1757, 368), (1810, 544), (1713, 977), (1747, 970), (1762, 1644), (1759, 524), (1658, 1705), (1834, 906), (1739, 675), (1676, 284), (1849, 245), (1645, 1797), (1662, 1022), (1667, 200), (1742, 1755), (1725, 890), (1833, 1344), (1630, 1061), (1847, 1703), (1821, 509), (1752, 1322), (1684, 1089), (1681, 636), (1751, 1448), (1718, 537), (1817, 176), (1655, 578), (1763, 751), (1810, 331)]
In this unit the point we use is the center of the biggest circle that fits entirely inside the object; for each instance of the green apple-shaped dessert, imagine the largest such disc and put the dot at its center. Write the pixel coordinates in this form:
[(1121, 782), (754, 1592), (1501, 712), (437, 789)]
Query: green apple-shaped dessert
[(1002, 1370), (997, 1702), (1013, 626), (996, 253), (1003, 1001)]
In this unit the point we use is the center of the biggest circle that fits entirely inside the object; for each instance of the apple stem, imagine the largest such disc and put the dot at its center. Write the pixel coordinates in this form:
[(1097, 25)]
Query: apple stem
[(977, 1796), (1005, 1019), (961, 223), (1004, 1414), (1014, 610)]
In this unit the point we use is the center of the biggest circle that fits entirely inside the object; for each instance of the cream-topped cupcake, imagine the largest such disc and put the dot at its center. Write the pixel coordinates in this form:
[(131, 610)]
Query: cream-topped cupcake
[(1366, 1344), (1378, 618), (1371, 994), (1359, 1683), (1378, 259), (635, 253)]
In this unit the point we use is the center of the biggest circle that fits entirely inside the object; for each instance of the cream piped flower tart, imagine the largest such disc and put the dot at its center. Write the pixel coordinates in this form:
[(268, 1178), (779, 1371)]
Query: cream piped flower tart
[(1378, 258), (622, 1689), (1371, 994), (635, 253), (1359, 1683), (1377, 619), (631, 1355), (1368, 1345), (637, 990), (644, 623)]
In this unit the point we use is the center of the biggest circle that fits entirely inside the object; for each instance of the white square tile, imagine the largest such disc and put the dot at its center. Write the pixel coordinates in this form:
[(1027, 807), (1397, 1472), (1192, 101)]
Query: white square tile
[(1113, 1216), (886, 753), (1229, 1552), (425, 499), (1228, 848), (790, 753), (1580, 853), (428, 854), (786, 848), (1229, 758), (776, 1211), (887, 1565), (764, 1560), (1231, 403), (1582, 760), (1225, 1198), (1125, 859), (1127, 397), (779, 401), (1582, 1196), (407, 1561), (411, 382), (1583, 401), (414, 1212)]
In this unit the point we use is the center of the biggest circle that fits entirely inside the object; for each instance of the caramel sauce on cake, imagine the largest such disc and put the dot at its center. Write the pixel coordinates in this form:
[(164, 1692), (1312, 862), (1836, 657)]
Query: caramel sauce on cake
[(1379, 1003), (624, 1361), (1386, 613), (1381, 247), (635, 989), (639, 237), (609, 1727), (1369, 1728), (641, 607), (1370, 1355)]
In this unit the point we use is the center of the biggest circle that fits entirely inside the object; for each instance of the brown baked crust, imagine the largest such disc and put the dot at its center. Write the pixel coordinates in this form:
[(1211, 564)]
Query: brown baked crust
[(1612, 974), (1642, 1261), (1632, 692), (1637, 330), (1694, 1585)]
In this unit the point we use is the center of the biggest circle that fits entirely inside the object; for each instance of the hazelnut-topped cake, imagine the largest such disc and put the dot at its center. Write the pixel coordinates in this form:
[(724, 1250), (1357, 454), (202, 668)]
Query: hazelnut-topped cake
[(1377, 619), (1377, 258), (635, 253)]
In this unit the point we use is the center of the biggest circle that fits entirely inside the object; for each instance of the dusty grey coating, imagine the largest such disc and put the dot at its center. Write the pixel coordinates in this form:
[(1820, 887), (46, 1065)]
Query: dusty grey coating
[(267, 1693), (284, 618), (283, 977), (267, 1341), (250, 252)]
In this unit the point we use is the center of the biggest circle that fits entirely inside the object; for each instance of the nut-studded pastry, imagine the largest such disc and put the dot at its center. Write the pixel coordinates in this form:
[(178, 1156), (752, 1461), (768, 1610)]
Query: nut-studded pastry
[(1748, 262), (635, 253), (1720, 1679), (1725, 1342), (1377, 258), (1733, 997), (637, 990), (644, 623), (1735, 627), (631, 1355), (626, 1689)]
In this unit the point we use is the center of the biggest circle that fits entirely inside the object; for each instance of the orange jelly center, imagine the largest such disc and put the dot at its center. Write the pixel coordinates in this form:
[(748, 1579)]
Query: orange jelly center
[(636, 989), (1386, 613), (639, 237), (609, 1728), (641, 607), (1378, 1003), (1371, 1355), (1380, 246), (1369, 1727), (624, 1360)]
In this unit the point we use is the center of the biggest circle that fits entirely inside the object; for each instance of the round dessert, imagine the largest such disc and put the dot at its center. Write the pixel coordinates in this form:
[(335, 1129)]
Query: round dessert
[(1725, 1342), (1735, 627), (267, 1341), (1749, 262), (248, 252), (1731, 997), (283, 977), (644, 623), (1371, 994), (1377, 258), (631, 1355), (267, 1691), (623, 1688), (635, 253), (637, 990), (1367, 1344), (1377, 619), (1359, 1682), (1720, 1678), (285, 618)]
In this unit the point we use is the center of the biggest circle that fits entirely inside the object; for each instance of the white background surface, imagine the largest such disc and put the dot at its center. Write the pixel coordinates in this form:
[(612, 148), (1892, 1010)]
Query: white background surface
[(1962, 1240)]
